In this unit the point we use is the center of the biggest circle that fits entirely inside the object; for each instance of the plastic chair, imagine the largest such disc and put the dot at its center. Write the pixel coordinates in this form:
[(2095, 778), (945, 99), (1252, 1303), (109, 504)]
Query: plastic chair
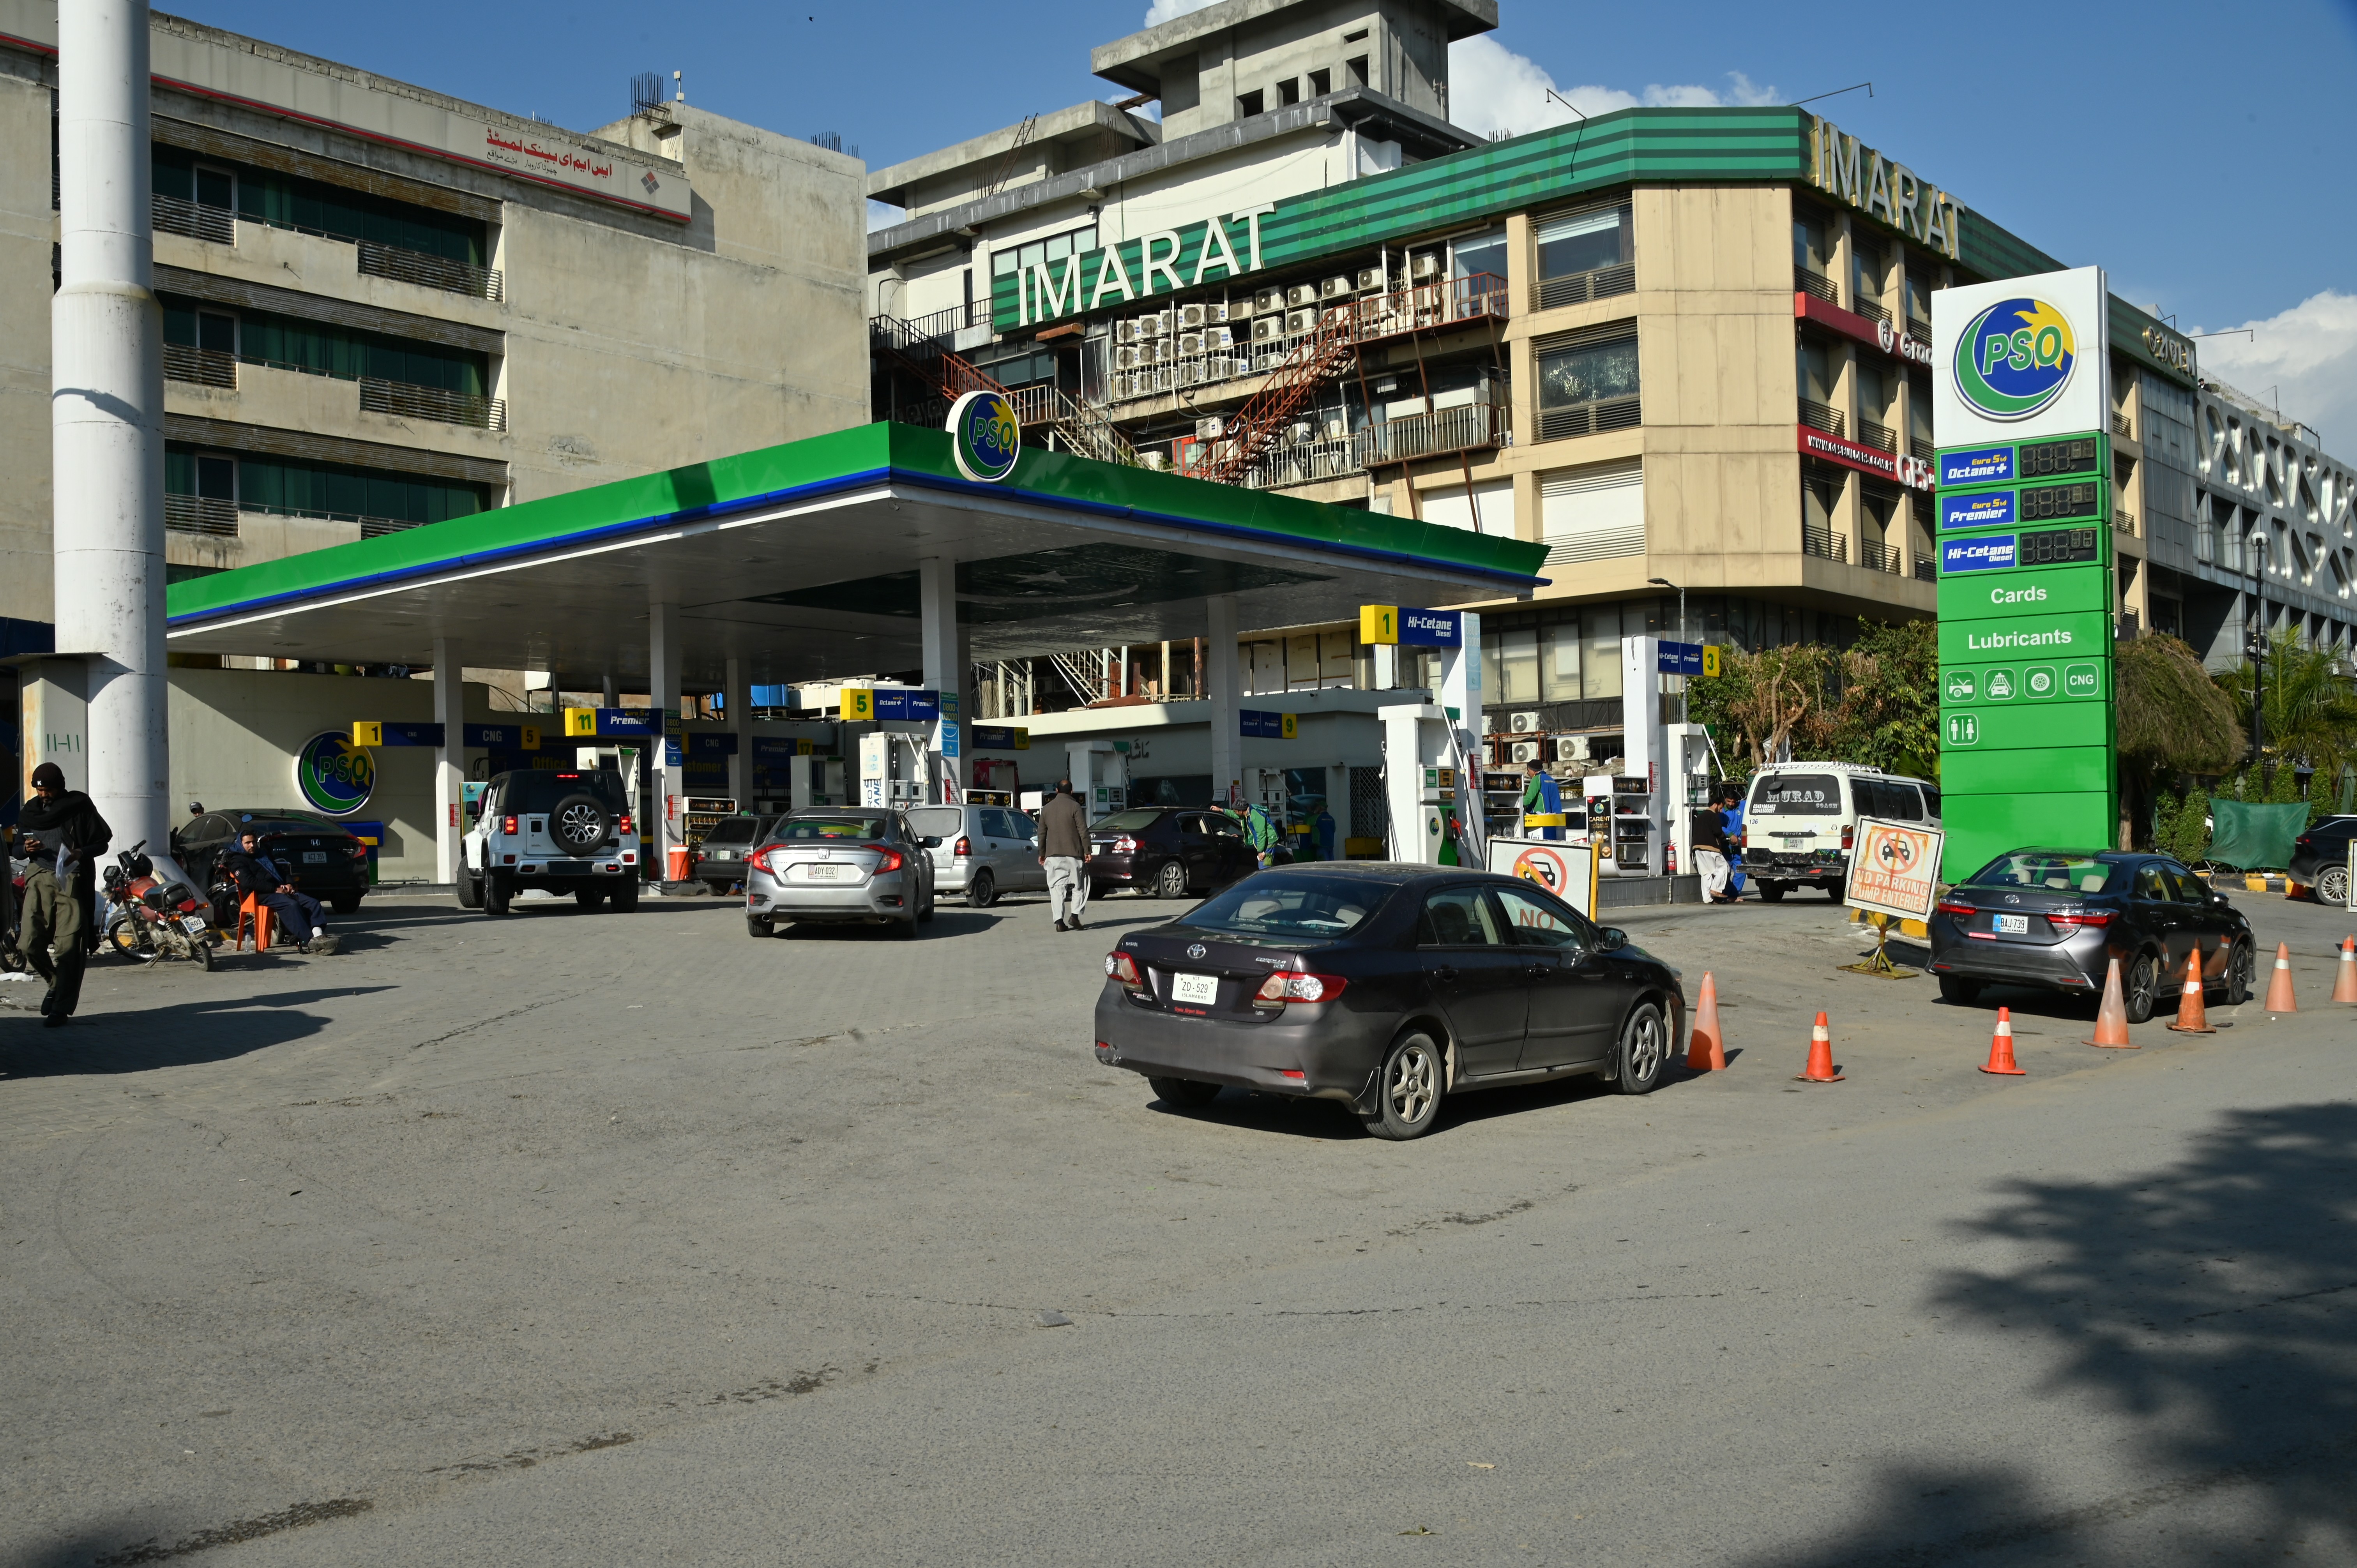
[(252, 909)]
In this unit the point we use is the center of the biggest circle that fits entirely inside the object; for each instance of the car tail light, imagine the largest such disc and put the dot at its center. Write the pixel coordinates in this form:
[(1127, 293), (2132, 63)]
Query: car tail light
[(360, 850), (2300, 843), (507, 826), (1950, 907), (887, 860), (1125, 845), (2085, 917), (965, 845), (1849, 831), (624, 828), (760, 859), (1288, 987), (1121, 967)]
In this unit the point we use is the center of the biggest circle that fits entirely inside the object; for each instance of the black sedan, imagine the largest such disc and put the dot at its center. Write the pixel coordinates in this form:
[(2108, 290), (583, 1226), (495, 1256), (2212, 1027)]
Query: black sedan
[(1387, 988), (2320, 859), (1167, 850), (2056, 917), (318, 854)]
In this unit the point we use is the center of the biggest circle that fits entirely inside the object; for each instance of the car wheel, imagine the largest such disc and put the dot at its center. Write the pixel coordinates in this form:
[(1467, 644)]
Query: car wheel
[(1099, 890), (1772, 893), (981, 892), (497, 891), (757, 926), (1170, 882), (345, 903), (625, 895), (2240, 970), (1407, 1087), (1644, 1051), (931, 904), (1958, 990), (588, 897), (1183, 1093), (1833, 891), (2332, 887), (905, 926), (471, 888), (2137, 986)]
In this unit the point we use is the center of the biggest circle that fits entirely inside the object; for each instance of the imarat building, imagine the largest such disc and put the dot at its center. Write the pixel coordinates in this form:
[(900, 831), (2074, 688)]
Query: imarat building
[(1679, 346)]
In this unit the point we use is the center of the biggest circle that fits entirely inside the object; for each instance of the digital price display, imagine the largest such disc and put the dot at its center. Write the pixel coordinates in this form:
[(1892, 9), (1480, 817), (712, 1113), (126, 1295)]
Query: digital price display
[(2047, 502), (2079, 455), (2061, 547)]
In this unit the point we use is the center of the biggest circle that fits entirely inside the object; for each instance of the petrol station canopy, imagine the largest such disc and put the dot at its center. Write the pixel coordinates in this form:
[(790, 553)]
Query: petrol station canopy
[(802, 561)]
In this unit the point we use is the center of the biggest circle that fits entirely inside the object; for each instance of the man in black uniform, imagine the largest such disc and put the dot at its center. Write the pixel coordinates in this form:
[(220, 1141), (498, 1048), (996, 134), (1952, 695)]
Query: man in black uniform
[(299, 913), (63, 837)]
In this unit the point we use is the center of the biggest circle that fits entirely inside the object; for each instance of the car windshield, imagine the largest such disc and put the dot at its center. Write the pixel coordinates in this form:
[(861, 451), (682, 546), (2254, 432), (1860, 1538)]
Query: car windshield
[(1797, 795), (1291, 904), (540, 789), (831, 828), (2056, 870), (938, 822), (1124, 821), (734, 829)]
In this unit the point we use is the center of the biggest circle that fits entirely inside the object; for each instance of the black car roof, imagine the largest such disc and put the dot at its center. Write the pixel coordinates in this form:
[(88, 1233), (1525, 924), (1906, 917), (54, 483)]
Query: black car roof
[(243, 819)]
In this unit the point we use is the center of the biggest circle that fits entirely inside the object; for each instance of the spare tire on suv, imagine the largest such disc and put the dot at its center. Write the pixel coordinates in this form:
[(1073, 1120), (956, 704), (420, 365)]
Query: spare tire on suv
[(580, 822)]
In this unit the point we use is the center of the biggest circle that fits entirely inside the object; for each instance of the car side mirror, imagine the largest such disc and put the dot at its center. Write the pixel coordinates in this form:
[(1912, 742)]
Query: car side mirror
[(2220, 900), (931, 842), (1613, 937)]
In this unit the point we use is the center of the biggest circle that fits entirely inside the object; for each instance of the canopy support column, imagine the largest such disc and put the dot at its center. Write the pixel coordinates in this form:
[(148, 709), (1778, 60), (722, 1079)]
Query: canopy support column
[(450, 760), (737, 708), (667, 813), (1222, 683), (944, 666)]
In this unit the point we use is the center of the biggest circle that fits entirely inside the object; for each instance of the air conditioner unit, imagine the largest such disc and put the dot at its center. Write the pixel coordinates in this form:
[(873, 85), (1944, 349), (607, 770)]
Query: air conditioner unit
[(1267, 300), (1525, 751), (1191, 343), (1125, 359), (1524, 722), (1301, 430), (1161, 350), (1485, 723), (1211, 427), (1301, 294), (1124, 331), (1370, 279), (1268, 329), (1218, 337), (1159, 461), (1571, 749), (1334, 288), (1425, 267), (1124, 386), (1149, 328), (1300, 323), (1192, 373)]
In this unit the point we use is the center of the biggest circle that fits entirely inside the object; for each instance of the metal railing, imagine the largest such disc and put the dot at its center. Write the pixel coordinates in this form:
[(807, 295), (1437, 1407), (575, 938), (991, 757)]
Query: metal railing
[(195, 219), (1878, 557), (1469, 427), (1926, 569), (1816, 285), (1824, 543), (405, 265), (2121, 428), (1590, 418), (1870, 310), (408, 400), (940, 324), (1822, 417), (1880, 435), (1918, 329), (1082, 425), (1577, 288), (201, 514), (1922, 451), (202, 367), (2125, 522)]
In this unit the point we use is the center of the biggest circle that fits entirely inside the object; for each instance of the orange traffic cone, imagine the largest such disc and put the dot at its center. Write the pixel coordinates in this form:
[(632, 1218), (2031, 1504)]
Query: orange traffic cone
[(2279, 997), (2344, 983), (2001, 1045), (1820, 1056), (1708, 1053), (2112, 1017), (2192, 1018)]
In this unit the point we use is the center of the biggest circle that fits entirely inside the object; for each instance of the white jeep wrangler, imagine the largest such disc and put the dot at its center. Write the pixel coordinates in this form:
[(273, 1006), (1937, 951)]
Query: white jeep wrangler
[(565, 832)]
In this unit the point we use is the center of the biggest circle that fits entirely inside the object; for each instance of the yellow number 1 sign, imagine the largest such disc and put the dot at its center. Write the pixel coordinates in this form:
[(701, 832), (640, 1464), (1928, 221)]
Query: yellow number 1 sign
[(1379, 623), (368, 732)]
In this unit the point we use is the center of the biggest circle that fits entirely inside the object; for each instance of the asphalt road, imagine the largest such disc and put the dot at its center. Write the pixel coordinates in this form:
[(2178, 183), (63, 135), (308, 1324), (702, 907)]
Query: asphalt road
[(586, 1238)]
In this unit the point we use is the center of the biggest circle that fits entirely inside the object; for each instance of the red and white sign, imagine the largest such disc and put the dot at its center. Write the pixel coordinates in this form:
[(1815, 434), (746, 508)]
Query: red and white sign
[(1894, 869), (1880, 335), (1912, 472)]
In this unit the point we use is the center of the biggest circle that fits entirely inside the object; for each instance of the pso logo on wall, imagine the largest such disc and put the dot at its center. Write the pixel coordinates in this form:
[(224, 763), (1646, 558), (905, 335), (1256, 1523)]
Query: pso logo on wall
[(986, 437), (2015, 358), (334, 775)]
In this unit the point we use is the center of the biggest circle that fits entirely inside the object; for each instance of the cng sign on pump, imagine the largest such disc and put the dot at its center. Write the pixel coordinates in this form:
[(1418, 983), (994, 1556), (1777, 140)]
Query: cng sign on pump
[(2020, 413)]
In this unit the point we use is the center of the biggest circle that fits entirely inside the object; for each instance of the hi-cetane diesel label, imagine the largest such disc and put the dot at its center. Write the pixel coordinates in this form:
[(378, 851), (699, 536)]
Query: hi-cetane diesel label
[(2012, 635)]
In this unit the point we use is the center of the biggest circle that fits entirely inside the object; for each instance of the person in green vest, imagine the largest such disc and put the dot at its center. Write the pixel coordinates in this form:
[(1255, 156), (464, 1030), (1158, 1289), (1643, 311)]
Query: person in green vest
[(1260, 834), (1541, 794)]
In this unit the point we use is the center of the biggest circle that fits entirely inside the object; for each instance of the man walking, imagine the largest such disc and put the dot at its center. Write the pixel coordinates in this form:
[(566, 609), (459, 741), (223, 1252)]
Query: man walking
[(1710, 854), (300, 916), (1064, 850), (64, 836)]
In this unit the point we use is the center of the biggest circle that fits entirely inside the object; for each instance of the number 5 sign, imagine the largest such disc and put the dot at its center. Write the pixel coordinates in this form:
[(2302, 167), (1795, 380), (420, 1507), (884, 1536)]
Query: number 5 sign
[(1894, 869)]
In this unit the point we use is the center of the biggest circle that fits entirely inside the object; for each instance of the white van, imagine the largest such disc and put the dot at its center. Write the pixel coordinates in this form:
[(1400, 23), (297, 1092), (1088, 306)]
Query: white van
[(1801, 817)]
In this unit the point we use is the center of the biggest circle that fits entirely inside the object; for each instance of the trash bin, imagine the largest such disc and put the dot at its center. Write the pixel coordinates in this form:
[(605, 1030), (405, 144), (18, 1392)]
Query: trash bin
[(675, 867)]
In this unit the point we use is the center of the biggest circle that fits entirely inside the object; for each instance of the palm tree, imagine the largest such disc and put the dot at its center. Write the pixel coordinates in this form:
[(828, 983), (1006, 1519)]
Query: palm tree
[(2310, 706)]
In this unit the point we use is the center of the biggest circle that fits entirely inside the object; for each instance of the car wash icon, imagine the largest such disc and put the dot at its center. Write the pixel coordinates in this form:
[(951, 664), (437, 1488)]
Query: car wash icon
[(2000, 685)]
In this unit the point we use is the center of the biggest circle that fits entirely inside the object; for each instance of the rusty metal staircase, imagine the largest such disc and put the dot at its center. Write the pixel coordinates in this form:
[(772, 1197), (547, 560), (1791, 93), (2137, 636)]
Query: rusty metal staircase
[(1321, 356)]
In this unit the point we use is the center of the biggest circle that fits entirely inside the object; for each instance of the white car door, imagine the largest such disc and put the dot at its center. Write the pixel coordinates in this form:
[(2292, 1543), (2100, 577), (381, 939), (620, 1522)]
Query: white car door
[(1023, 867)]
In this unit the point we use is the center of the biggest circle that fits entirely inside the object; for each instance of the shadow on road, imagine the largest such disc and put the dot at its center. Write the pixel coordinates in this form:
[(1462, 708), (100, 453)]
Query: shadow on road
[(2205, 1308), (177, 1034)]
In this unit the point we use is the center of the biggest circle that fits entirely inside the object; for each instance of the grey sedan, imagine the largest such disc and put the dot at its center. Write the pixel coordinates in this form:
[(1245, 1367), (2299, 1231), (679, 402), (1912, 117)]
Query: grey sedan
[(850, 866)]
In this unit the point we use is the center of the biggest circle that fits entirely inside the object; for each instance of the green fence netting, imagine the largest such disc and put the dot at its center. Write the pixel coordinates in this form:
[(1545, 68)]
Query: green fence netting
[(2251, 837)]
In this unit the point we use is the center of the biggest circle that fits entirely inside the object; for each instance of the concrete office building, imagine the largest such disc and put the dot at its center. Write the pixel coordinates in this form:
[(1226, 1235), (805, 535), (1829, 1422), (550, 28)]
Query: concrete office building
[(386, 307)]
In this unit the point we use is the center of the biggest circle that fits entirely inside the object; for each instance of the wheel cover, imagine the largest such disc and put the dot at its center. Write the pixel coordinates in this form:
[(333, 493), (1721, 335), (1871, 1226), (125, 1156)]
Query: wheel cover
[(1408, 1090), (1644, 1047), (1174, 879), (581, 825), (2143, 975), (2333, 887)]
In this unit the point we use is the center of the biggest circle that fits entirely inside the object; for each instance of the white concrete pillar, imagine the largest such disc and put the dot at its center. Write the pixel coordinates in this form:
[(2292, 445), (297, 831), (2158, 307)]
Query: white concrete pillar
[(668, 809), (737, 708), (106, 354), (449, 759), (945, 668), (612, 693), (1222, 683)]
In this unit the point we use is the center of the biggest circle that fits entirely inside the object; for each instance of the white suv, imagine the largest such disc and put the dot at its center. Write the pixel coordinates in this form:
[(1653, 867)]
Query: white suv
[(565, 832), (1801, 818)]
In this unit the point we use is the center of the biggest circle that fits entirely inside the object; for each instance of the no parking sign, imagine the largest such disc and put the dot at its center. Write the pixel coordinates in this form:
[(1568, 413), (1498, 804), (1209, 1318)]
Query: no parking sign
[(1565, 870), (1895, 869)]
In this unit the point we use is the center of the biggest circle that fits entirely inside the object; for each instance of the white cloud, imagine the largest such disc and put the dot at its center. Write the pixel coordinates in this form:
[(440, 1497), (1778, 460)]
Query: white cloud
[(1171, 10), (2307, 356), (1495, 92)]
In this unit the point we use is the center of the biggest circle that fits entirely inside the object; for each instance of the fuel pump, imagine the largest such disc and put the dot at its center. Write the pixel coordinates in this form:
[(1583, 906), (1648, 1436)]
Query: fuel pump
[(1100, 775), (1432, 780), (894, 769), (1686, 784)]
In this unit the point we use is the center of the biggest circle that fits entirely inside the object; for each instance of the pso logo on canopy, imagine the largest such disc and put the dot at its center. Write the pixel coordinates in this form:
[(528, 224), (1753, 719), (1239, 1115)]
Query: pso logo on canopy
[(986, 436), (2015, 356)]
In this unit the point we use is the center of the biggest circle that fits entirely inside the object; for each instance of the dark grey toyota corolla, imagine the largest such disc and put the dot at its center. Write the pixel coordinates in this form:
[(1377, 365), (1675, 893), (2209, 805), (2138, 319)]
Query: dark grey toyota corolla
[(1387, 988)]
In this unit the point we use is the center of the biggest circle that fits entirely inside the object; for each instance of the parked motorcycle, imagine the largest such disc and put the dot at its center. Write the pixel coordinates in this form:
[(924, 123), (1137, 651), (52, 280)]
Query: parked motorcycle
[(156, 916)]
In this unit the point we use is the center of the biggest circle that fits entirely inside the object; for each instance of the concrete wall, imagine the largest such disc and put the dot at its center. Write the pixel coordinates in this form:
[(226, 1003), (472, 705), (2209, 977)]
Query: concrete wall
[(27, 233)]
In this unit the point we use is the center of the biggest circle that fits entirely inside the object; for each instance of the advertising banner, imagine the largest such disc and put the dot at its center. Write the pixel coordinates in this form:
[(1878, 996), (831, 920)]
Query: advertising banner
[(1895, 869), (1567, 870)]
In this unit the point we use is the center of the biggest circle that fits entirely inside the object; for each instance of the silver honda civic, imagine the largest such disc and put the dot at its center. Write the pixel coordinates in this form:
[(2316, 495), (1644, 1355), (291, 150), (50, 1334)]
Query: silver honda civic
[(847, 865)]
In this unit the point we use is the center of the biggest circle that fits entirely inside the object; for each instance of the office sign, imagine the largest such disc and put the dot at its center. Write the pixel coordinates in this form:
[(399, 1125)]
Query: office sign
[(1910, 471)]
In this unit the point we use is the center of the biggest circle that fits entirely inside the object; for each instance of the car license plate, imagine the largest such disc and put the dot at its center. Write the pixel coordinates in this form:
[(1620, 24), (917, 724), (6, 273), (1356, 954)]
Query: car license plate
[(2013, 925), (1202, 988), (192, 924), (315, 857), (828, 873), (724, 855)]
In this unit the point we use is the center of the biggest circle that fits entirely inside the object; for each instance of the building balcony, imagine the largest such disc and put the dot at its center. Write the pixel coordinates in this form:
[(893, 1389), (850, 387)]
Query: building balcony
[(1824, 417), (1578, 289), (1878, 557), (1880, 435), (1918, 329), (201, 514), (210, 368), (1922, 451), (217, 225), (2122, 429), (1816, 285), (1926, 569), (1444, 432), (1823, 544), (1870, 310)]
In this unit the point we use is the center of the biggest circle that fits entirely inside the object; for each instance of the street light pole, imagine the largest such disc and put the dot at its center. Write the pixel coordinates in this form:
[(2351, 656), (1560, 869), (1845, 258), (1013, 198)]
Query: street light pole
[(1665, 583), (2255, 644)]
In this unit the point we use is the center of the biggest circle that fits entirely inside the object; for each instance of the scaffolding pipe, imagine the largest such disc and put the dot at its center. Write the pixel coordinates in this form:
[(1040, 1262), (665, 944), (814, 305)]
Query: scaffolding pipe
[(107, 413)]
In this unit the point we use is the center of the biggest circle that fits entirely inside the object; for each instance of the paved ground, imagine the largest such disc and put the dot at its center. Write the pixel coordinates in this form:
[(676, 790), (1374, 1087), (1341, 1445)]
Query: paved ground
[(593, 1237)]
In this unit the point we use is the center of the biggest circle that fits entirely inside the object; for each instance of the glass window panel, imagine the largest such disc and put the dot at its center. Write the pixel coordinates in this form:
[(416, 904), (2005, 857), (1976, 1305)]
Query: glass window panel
[(1479, 253), (1582, 242), (217, 477), (1599, 651), (1517, 666), (1816, 375), (1589, 373), (1559, 663), (1002, 264), (1060, 247), (1493, 682), (1033, 253), (1809, 243), (1457, 918)]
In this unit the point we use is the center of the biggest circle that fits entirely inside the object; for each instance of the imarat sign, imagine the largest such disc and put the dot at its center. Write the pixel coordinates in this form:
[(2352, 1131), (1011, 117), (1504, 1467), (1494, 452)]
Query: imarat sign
[(1846, 168), (1127, 271)]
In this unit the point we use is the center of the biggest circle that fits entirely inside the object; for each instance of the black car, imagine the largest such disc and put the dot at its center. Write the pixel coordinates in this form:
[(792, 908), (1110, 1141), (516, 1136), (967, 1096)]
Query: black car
[(2320, 858), (317, 854), (1387, 988), (1168, 850), (720, 857), (2056, 917)]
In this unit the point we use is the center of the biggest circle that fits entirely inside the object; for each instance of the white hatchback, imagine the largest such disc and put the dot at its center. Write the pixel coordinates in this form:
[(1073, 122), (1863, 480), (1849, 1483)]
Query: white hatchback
[(983, 850)]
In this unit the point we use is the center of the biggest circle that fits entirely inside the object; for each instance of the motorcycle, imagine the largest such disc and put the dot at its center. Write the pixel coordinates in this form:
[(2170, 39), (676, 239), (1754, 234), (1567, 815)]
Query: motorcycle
[(152, 916)]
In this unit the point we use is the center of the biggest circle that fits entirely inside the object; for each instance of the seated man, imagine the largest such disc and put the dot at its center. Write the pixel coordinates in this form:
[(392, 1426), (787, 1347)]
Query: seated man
[(299, 913)]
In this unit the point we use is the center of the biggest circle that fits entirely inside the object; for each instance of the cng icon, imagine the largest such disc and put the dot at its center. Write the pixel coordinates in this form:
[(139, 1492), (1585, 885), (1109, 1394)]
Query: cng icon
[(2081, 681), (1963, 729), (2015, 358)]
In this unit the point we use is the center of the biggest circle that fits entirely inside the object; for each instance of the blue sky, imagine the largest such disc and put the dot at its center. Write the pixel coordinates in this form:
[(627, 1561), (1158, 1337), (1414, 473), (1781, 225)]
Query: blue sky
[(2203, 153)]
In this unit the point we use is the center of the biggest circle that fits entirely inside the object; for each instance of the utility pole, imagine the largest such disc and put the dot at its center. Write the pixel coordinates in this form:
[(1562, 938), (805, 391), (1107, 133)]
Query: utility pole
[(2255, 644), (1665, 583), (107, 413)]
